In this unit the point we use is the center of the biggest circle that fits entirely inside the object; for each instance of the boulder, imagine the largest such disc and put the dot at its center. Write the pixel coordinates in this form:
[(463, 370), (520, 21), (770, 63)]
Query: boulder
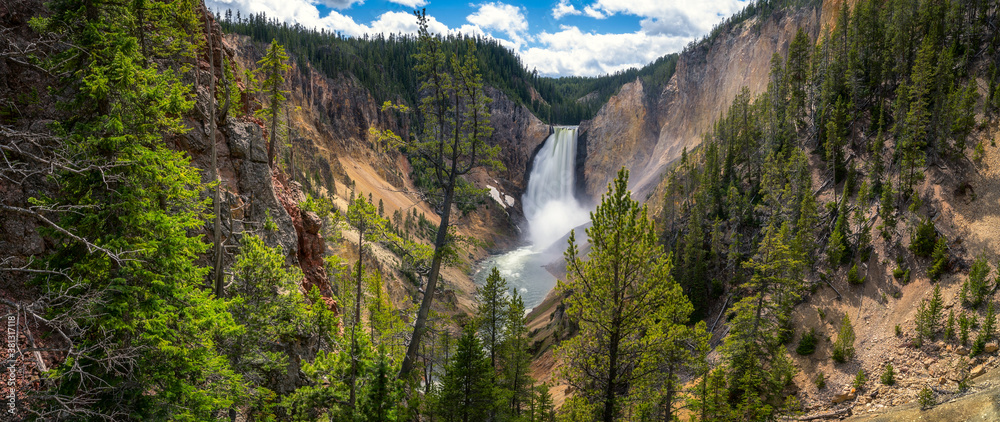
[(311, 222), (977, 371), (990, 348), (845, 396), (246, 140)]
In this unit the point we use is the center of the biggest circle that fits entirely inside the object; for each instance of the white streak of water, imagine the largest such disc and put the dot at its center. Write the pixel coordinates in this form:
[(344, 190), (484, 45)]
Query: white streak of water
[(551, 210), (549, 204)]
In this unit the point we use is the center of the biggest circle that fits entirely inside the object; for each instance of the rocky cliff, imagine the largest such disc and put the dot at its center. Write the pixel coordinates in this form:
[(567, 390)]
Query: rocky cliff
[(646, 131)]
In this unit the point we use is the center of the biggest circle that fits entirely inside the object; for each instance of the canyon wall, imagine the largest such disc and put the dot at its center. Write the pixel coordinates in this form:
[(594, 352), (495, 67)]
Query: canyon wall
[(647, 131)]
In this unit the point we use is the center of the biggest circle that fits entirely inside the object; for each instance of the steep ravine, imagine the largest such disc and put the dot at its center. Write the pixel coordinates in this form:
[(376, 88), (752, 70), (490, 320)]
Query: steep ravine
[(333, 150)]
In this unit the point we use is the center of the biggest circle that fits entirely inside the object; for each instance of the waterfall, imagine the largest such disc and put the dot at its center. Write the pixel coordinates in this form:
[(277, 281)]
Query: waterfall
[(549, 204), (551, 210)]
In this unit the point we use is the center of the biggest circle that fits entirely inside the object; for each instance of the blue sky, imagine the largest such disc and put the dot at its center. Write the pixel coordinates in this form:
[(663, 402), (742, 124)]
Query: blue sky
[(556, 37)]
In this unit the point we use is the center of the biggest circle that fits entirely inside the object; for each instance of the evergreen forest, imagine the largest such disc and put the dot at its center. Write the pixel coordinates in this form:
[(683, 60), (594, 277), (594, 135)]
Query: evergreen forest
[(148, 304)]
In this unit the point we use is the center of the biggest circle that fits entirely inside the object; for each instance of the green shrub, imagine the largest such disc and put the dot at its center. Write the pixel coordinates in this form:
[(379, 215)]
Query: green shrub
[(853, 277), (939, 261), (899, 331), (322, 206), (843, 348), (859, 380), (889, 375), (977, 286), (807, 344), (926, 398), (924, 237), (820, 381), (978, 152)]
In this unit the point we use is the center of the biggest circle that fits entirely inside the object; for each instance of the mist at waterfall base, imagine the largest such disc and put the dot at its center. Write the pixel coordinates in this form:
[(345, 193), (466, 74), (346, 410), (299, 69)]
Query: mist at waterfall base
[(551, 211)]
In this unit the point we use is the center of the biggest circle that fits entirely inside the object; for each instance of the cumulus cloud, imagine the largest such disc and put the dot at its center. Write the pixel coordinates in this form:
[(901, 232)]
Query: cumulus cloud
[(665, 27), (594, 12), (410, 3), (571, 51), (305, 13), (564, 9), (502, 17), (337, 4), (672, 17)]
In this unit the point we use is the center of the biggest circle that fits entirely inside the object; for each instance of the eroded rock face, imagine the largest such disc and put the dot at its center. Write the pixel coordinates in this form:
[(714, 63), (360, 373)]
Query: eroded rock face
[(519, 134), (310, 246), (622, 133), (256, 188), (646, 132)]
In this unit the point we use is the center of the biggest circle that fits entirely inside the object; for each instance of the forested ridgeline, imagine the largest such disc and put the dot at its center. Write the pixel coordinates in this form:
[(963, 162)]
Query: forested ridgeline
[(383, 63)]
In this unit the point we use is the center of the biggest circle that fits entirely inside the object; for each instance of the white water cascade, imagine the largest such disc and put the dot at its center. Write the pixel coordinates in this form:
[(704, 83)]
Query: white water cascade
[(551, 211), (549, 204)]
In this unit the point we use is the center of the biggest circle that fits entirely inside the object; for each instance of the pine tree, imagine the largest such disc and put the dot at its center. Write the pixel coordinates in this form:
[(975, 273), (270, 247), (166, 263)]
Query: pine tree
[(541, 409), (758, 366), (272, 68), (676, 349), (621, 289), (371, 227), (939, 259), (929, 315), (986, 332), (889, 376), (515, 359), (130, 306), (887, 211), (915, 130), (380, 399), (797, 76), (977, 286), (491, 306), (806, 228), (843, 348), (466, 389), (456, 125), (265, 299)]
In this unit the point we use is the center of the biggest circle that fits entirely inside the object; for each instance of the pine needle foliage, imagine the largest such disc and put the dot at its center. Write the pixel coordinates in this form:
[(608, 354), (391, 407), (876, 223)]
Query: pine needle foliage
[(622, 288)]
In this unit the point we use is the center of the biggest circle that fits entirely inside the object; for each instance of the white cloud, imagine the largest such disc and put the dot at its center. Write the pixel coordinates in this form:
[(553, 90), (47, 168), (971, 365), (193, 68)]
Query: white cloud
[(564, 9), (594, 13), (305, 13), (410, 3), (337, 4), (665, 27), (574, 52), (502, 17), (673, 17)]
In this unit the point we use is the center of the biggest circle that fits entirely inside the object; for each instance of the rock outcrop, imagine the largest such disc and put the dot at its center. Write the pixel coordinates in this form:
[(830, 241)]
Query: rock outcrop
[(519, 134), (646, 132)]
